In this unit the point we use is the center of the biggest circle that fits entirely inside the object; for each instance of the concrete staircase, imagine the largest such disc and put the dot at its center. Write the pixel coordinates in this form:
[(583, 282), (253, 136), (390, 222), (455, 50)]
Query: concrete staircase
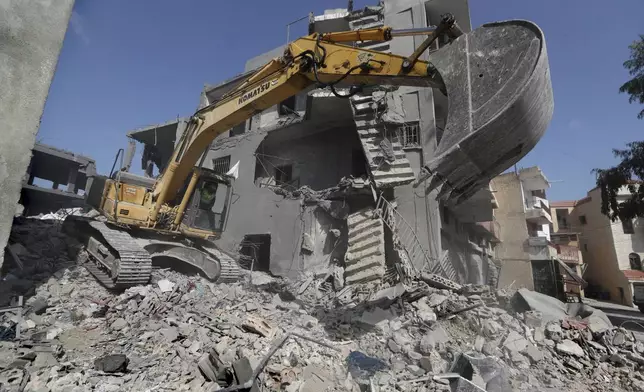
[(414, 257), (389, 167), (385, 171), (365, 256)]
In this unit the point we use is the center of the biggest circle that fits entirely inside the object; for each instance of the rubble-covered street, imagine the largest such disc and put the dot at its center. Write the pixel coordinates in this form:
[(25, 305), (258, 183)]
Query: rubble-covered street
[(185, 333)]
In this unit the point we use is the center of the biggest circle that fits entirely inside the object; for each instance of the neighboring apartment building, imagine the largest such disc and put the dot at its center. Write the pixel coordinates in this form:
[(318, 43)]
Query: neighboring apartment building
[(566, 239), (613, 251), (526, 251), (312, 174)]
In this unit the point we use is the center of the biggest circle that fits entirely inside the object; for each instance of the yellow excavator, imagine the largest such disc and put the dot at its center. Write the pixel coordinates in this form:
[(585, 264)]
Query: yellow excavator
[(496, 79)]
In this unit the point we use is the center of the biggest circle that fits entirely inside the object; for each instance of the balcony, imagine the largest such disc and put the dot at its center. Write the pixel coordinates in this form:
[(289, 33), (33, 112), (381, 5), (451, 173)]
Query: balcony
[(540, 249), (492, 230), (537, 241), (569, 254), (538, 216), (478, 208), (538, 233), (537, 202)]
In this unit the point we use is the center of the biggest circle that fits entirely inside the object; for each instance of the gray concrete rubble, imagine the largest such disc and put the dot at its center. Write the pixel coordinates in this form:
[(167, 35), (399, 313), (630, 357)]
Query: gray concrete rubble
[(184, 333)]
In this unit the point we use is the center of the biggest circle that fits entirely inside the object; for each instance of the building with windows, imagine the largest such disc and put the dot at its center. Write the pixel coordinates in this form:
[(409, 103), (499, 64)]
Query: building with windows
[(525, 251), (612, 251), (566, 239), (326, 181), (529, 252)]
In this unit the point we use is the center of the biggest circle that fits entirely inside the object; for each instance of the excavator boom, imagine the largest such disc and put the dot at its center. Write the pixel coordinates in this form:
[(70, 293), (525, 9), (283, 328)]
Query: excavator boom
[(496, 78)]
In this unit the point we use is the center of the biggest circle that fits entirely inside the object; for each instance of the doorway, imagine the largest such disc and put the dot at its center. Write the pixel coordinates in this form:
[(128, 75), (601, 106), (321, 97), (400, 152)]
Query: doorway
[(255, 252)]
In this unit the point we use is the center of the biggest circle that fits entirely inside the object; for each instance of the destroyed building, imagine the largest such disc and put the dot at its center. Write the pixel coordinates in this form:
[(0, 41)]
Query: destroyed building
[(326, 182), (55, 179)]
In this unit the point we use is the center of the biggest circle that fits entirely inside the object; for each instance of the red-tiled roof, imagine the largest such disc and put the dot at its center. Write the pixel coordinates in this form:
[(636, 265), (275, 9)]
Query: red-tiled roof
[(633, 274), (563, 203), (584, 200)]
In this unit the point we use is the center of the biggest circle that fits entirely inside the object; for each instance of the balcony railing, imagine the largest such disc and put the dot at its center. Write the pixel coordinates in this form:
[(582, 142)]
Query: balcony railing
[(568, 253), (537, 202), (538, 215), (538, 241), (540, 249)]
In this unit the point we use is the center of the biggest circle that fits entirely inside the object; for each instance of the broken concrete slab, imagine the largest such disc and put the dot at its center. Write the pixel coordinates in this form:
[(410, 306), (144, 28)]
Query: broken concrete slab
[(118, 324), (515, 342), (39, 305), (569, 347), (377, 318), (259, 326), (534, 354), (112, 363), (552, 309)]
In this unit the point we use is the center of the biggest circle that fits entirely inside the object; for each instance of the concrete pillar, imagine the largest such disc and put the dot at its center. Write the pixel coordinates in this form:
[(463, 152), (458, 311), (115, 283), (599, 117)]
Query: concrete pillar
[(71, 181), (33, 33)]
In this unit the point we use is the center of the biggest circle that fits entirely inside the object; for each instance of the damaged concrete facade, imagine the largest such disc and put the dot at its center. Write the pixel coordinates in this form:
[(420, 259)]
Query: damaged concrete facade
[(68, 173), (528, 253), (325, 181), (315, 140)]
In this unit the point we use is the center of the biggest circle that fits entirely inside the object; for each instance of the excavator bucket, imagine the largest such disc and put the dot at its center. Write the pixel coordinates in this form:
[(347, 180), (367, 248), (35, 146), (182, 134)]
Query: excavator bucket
[(499, 104)]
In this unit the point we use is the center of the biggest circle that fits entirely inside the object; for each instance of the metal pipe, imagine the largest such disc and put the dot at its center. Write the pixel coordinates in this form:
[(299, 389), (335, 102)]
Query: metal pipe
[(410, 32), (186, 197), (288, 28)]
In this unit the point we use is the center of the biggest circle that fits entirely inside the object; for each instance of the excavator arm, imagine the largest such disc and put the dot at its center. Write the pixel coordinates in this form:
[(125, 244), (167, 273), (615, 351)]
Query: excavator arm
[(496, 79)]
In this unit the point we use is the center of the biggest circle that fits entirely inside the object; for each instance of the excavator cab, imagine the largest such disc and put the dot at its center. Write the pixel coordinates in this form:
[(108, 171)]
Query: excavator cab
[(207, 208)]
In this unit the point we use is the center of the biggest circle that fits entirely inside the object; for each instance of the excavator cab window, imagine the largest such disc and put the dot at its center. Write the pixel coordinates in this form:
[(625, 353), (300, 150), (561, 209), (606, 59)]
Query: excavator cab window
[(207, 209)]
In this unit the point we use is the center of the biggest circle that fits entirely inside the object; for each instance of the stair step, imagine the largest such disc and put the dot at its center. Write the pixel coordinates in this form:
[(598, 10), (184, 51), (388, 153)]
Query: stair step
[(381, 162), (365, 226), (374, 144), (370, 132), (393, 182), (400, 156), (361, 98), (369, 242), (368, 107), (401, 176), (358, 217), (351, 257), (365, 264), (365, 276), (370, 123), (363, 235)]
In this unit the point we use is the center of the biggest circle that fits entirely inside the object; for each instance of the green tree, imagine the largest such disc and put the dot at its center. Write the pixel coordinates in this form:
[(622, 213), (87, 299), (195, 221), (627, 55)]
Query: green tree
[(635, 66), (630, 171)]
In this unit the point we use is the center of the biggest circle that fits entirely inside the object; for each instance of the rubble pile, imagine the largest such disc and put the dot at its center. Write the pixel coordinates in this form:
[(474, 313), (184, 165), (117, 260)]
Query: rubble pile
[(184, 333)]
